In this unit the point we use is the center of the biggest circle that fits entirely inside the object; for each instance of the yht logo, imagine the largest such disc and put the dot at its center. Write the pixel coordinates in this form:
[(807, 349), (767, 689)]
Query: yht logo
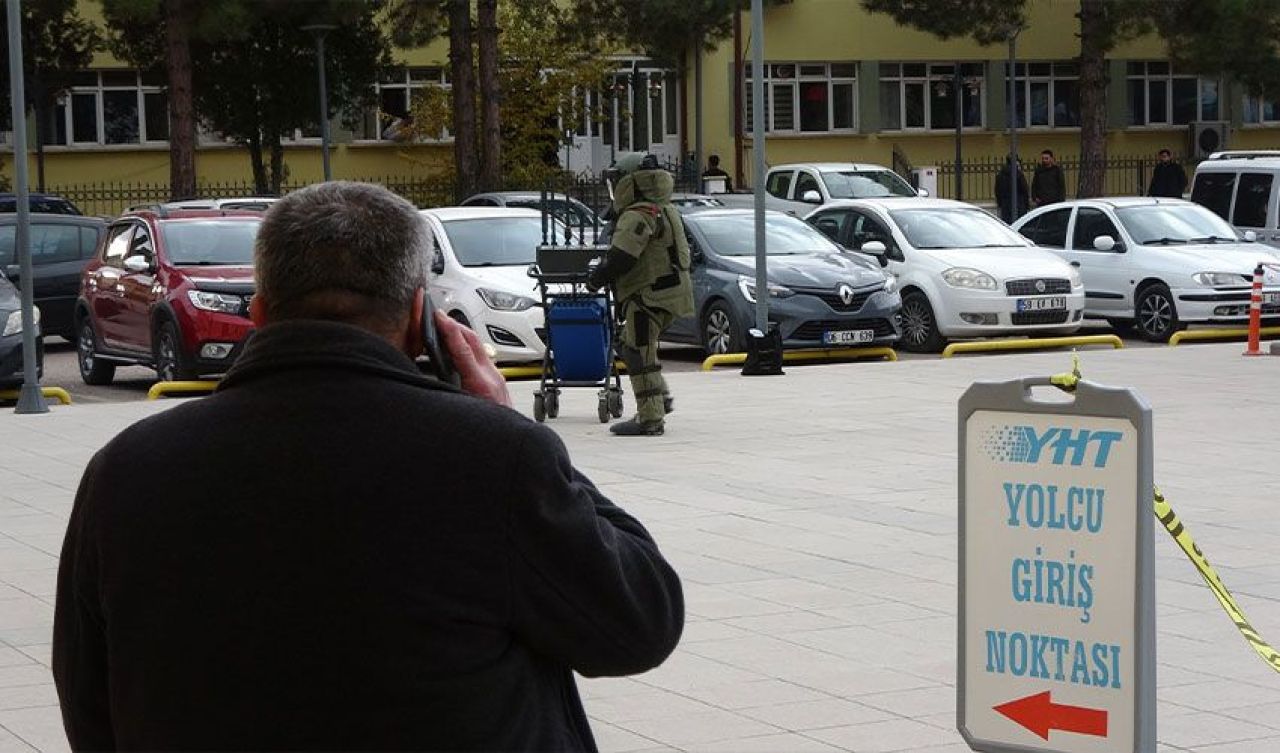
[(1061, 446)]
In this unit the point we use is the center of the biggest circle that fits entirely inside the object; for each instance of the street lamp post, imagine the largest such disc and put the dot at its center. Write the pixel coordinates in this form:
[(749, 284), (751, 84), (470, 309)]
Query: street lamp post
[(30, 398), (320, 30)]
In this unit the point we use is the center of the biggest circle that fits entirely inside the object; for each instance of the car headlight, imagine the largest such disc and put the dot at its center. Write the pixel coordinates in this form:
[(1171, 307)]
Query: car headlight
[(1219, 279), (13, 323), (225, 303), (747, 286), (500, 301), (963, 277)]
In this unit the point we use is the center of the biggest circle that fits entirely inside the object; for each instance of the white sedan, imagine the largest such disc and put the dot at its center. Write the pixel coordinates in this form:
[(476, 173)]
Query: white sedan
[(479, 265), (1155, 264), (962, 272)]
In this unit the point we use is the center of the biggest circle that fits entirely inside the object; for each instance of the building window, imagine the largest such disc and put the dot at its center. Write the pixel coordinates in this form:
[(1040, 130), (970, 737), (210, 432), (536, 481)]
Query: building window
[(806, 98), (395, 92), (1047, 95), (1261, 110), (1158, 96), (110, 107), (921, 96), (637, 110)]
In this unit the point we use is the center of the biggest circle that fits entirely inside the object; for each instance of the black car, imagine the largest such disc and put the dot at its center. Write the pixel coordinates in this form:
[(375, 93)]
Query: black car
[(11, 337), (61, 246), (38, 202)]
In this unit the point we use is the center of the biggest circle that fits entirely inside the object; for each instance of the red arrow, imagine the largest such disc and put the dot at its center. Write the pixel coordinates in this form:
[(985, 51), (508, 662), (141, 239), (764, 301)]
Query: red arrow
[(1040, 714)]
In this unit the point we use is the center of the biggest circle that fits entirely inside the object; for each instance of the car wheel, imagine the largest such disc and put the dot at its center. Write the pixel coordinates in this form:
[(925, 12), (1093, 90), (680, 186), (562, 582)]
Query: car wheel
[(170, 366), (1156, 315), (93, 370), (919, 325), (719, 330)]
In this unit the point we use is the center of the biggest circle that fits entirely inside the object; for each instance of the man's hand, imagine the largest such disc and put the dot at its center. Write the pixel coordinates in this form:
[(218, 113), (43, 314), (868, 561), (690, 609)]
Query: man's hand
[(479, 376)]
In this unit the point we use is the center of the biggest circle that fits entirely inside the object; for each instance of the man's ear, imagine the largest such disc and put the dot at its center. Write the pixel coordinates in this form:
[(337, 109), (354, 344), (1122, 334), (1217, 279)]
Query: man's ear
[(258, 311)]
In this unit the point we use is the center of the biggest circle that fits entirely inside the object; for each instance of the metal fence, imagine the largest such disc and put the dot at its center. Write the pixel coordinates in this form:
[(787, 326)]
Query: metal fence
[(1122, 176), (112, 198)]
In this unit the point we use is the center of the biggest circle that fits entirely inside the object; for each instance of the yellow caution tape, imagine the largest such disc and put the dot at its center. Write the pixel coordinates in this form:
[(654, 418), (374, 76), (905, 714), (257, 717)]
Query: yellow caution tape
[(1165, 514)]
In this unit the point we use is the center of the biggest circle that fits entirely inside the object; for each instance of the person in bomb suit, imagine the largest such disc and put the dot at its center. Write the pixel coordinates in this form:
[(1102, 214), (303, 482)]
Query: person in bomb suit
[(648, 267)]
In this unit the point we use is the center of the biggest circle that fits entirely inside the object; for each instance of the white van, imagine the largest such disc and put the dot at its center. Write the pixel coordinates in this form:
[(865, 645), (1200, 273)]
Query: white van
[(1242, 188)]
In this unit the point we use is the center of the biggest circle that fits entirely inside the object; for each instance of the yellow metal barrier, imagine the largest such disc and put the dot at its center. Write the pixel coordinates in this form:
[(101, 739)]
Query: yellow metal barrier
[(1033, 343), (1218, 334), (534, 370), (57, 393), (179, 388), (819, 354)]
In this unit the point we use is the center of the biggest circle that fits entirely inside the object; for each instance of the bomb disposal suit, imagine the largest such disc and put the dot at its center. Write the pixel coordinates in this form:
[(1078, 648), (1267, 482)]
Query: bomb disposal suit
[(648, 267)]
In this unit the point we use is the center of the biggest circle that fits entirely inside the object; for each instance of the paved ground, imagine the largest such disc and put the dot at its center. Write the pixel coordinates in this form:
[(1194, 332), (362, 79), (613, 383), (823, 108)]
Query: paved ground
[(813, 519)]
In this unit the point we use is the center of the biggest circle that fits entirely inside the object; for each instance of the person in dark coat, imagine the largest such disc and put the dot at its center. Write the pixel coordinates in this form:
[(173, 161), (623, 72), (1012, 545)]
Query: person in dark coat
[(1048, 184), (1168, 178), (342, 553), (1009, 213), (715, 171)]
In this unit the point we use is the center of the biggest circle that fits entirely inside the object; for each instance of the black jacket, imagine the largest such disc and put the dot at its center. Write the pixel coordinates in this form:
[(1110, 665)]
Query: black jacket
[(336, 552), (1002, 194), (1168, 179), (1048, 185)]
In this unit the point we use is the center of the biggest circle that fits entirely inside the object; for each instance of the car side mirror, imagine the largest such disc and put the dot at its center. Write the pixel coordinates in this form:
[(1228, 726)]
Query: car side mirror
[(922, 193), (878, 250), (1104, 243), (437, 262), (811, 197), (1250, 236), (137, 263)]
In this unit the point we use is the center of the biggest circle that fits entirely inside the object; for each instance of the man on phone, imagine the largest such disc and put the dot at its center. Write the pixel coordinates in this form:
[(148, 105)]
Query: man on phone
[(347, 554)]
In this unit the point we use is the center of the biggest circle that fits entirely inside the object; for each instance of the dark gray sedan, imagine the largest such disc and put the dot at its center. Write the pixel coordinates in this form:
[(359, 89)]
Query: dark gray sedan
[(819, 294), (61, 246), (11, 337)]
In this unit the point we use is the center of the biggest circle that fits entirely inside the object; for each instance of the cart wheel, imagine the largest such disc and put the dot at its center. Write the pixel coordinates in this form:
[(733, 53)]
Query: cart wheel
[(539, 408), (615, 403), (553, 404), (602, 408)]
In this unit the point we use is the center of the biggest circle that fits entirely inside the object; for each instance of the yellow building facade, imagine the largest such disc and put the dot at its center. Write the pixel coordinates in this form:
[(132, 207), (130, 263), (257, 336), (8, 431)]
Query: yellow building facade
[(817, 52), (841, 84)]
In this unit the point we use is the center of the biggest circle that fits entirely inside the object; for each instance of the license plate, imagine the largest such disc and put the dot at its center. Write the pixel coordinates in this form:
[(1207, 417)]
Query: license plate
[(849, 336), (1051, 303), (1270, 299)]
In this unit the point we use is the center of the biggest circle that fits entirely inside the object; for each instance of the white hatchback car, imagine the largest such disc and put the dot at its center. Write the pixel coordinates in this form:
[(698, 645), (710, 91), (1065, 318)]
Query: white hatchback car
[(1156, 264), (961, 271), (480, 263)]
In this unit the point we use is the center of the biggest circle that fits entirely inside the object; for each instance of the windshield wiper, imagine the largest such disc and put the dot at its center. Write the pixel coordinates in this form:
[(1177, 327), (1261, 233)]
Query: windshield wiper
[(1163, 241), (1213, 239)]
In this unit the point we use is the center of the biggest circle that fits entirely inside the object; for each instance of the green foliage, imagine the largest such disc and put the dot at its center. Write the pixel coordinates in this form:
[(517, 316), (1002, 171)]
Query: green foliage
[(987, 21), (56, 43), (1237, 38), (665, 29), (544, 76), (415, 23)]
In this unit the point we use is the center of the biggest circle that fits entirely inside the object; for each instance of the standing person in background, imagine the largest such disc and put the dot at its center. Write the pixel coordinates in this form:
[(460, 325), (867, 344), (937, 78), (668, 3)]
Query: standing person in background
[(1168, 179), (715, 171), (1048, 185), (1012, 170)]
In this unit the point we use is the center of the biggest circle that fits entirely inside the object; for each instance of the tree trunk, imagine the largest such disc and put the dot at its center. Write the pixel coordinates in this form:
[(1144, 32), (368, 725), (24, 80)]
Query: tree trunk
[(277, 164), (259, 169), (1093, 98), (490, 97), (182, 118), (464, 98)]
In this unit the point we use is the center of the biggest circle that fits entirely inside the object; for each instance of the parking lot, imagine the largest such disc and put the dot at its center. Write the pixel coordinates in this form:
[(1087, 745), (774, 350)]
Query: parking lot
[(813, 520)]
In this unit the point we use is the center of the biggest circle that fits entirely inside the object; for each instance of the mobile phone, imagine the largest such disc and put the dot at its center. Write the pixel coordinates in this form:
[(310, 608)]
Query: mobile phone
[(439, 362)]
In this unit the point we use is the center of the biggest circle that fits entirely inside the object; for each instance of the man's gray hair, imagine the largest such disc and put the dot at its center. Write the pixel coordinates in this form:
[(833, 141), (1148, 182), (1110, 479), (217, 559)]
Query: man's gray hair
[(322, 243)]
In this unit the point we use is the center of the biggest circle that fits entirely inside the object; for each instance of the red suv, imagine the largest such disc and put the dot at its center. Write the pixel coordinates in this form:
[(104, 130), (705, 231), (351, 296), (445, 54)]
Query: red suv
[(169, 290)]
